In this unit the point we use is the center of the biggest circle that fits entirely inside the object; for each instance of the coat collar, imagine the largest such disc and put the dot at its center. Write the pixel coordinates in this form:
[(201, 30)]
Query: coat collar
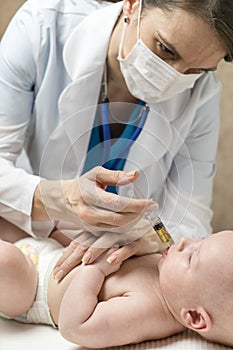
[(86, 49), (84, 58)]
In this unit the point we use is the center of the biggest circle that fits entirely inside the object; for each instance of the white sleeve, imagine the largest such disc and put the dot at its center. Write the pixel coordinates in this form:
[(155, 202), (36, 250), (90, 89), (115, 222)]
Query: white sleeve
[(188, 195), (17, 78)]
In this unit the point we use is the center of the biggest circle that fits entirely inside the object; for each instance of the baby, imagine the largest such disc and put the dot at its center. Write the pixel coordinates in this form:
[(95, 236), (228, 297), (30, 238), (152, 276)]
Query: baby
[(102, 304)]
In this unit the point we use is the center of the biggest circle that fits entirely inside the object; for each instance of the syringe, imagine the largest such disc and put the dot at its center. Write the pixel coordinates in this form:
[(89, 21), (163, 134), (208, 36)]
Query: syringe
[(157, 224), (160, 229)]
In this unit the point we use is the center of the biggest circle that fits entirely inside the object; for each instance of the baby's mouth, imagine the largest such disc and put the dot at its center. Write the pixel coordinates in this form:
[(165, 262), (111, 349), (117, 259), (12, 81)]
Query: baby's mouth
[(165, 252)]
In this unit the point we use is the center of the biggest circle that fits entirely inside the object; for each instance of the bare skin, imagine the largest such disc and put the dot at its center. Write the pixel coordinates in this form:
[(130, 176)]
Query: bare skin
[(18, 280), (102, 304), (118, 296), (138, 293)]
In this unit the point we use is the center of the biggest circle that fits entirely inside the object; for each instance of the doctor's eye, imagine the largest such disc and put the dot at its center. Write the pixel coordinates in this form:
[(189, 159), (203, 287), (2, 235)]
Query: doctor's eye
[(165, 50)]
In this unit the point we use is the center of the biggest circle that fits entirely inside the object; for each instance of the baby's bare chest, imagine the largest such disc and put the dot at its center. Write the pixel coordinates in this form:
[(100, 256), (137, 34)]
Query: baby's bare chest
[(139, 275)]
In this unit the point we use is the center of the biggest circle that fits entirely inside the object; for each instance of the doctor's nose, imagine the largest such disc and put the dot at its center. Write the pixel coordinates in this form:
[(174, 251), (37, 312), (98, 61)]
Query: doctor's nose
[(184, 69)]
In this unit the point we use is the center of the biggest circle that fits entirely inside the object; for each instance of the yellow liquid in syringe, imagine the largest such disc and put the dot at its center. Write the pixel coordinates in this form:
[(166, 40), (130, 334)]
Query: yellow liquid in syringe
[(161, 231)]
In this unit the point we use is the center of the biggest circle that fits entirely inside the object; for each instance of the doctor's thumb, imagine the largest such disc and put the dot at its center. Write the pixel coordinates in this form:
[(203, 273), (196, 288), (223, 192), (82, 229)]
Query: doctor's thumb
[(112, 177)]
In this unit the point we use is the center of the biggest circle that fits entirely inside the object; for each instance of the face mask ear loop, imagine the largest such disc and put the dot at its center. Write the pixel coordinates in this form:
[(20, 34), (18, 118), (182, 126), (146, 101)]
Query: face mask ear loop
[(139, 19), (125, 24)]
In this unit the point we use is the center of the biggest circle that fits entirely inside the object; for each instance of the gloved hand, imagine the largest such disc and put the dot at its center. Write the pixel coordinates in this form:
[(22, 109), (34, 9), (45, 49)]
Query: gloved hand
[(85, 203), (87, 248)]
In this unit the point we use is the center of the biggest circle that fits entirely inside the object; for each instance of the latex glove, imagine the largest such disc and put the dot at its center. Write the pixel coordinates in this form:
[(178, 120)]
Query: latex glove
[(87, 248), (85, 202), (73, 253), (147, 244)]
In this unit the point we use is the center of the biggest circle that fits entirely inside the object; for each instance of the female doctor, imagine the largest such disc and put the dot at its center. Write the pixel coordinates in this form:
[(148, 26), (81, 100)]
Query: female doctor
[(147, 65)]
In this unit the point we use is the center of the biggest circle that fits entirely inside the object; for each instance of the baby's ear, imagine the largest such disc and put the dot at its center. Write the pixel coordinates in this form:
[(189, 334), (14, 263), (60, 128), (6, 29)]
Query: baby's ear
[(196, 319)]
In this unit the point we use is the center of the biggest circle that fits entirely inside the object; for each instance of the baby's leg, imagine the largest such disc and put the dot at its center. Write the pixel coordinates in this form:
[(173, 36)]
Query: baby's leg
[(18, 280)]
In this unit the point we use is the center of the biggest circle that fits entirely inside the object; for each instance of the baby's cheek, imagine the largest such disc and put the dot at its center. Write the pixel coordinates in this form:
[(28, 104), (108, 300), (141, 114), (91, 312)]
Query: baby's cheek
[(162, 275), (166, 275)]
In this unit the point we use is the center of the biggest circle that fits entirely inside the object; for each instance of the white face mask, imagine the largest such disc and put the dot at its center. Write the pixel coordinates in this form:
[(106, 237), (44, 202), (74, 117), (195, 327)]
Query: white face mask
[(147, 76)]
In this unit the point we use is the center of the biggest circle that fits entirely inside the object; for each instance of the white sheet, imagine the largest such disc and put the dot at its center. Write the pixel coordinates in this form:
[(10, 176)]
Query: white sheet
[(17, 336)]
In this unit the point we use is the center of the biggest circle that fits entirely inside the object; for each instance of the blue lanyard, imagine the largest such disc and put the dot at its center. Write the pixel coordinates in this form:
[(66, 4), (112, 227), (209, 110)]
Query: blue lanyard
[(107, 133)]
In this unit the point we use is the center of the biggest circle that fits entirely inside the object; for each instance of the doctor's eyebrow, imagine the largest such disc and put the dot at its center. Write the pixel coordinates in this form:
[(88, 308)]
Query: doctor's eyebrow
[(176, 53)]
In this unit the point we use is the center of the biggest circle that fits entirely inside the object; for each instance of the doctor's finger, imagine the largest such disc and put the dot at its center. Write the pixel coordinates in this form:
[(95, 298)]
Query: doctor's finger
[(92, 254), (121, 204), (67, 252), (112, 177), (134, 248), (108, 241), (71, 257), (95, 218)]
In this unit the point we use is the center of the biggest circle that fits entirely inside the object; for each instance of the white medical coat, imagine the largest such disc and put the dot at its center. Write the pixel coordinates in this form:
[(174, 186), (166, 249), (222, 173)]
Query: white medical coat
[(51, 65)]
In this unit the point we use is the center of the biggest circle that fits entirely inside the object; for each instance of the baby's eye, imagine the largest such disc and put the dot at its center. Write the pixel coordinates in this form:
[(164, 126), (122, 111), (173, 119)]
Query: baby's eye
[(190, 258), (193, 251)]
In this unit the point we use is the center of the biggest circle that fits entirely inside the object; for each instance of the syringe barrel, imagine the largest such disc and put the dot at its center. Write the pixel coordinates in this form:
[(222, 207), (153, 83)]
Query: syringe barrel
[(161, 230)]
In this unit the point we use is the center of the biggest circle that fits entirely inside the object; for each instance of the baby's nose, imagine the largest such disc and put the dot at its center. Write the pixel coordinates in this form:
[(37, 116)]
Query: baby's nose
[(183, 243)]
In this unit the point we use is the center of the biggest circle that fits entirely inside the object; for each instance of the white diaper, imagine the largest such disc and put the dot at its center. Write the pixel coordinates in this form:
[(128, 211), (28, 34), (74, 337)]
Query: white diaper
[(44, 254)]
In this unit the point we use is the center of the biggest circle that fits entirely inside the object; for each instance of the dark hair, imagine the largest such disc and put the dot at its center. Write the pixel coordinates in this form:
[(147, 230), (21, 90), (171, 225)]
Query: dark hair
[(217, 13)]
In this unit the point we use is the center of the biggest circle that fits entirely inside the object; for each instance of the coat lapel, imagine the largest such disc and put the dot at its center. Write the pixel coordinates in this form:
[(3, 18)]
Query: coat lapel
[(84, 57)]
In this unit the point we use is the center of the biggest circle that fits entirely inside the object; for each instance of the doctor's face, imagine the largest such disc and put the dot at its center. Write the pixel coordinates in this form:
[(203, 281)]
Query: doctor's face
[(178, 37)]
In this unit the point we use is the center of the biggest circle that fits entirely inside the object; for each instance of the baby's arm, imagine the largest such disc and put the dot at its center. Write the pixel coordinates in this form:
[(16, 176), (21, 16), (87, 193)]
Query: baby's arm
[(86, 321), (18, 280)]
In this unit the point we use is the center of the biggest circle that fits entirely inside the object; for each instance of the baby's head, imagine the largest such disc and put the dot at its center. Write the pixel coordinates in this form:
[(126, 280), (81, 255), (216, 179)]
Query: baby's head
[(196, 278)]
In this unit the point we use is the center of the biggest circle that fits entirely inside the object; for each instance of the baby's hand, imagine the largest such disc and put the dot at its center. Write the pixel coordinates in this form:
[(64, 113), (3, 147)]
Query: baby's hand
[(104, 266)]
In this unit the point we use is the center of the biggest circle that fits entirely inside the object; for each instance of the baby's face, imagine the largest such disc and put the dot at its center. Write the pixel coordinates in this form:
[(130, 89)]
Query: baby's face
[(194, 267)]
